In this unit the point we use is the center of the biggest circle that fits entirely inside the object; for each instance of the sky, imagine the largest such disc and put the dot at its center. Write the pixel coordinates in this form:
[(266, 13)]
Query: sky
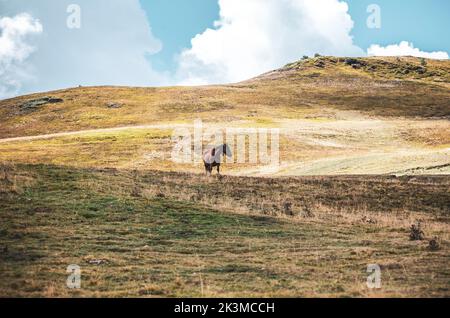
[(52, 44)]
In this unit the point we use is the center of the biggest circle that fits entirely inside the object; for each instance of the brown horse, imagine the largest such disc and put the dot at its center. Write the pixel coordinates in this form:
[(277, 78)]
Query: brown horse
[(212, 157)]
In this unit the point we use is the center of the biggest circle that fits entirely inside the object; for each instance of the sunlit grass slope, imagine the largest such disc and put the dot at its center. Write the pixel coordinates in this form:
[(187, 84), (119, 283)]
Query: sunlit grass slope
[(315, 88)]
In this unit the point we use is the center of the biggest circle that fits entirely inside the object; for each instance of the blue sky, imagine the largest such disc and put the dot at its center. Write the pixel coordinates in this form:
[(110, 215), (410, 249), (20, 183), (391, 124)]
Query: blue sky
[(176, 22), (195, 42), (426, 23)]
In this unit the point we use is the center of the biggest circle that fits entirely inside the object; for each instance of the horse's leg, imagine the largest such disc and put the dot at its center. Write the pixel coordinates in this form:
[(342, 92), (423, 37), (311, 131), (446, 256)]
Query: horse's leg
[(207, 169), (218, 170)]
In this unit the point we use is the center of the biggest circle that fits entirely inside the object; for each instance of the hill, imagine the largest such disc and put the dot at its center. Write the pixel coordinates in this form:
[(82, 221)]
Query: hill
[(336, 116), (320, 87)]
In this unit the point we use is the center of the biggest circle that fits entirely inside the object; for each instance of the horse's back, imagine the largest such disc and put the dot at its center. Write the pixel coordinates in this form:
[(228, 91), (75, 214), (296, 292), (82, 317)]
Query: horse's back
[(208, 156)]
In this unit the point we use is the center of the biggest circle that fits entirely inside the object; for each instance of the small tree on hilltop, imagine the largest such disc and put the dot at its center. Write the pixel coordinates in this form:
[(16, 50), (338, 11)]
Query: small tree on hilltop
[(423, 61)]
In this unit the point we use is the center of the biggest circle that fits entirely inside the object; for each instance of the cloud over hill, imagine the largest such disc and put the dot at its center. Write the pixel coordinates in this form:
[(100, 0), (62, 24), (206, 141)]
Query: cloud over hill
[(404, 48), (254, 36)]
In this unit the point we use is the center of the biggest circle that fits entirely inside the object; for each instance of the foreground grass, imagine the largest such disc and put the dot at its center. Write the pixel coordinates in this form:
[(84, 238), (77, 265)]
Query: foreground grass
[(155, 243)]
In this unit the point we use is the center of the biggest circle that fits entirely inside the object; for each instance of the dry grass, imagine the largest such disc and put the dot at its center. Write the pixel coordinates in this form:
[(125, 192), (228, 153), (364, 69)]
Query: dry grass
[(307, 147), (388, 116), (300, 91), (115, 203), (156, 241)]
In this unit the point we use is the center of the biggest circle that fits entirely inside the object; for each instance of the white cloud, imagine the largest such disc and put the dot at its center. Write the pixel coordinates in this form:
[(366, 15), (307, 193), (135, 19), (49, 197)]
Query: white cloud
[(404, 49), (14, 50), (254, 36), (110, 48)]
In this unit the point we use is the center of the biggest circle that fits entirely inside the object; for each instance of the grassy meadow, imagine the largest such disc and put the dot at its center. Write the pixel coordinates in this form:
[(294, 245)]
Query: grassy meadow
[(364, 154), (147, 234)]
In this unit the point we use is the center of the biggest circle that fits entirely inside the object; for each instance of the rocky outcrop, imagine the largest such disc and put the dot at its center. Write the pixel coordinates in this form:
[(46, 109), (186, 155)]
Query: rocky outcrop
[(113, 105), (35, 104)]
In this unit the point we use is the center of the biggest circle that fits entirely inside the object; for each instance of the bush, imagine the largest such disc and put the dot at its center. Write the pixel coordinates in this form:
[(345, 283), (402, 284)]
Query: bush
[(287, 207), (434, 245), (416, 233), (423, 62)]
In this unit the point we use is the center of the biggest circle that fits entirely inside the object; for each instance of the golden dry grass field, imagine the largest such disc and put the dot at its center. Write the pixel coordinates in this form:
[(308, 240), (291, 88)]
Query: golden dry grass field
[(87, 178)]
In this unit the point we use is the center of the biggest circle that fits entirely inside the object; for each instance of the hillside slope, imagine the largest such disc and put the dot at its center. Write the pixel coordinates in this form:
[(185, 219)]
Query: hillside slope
[(319, 87), (335, 115)]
